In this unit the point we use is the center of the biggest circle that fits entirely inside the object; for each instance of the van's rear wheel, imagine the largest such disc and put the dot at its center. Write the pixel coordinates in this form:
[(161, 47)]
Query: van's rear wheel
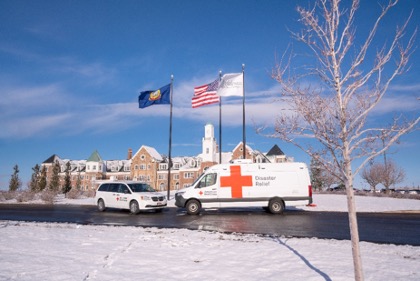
[(276, 206), (134, 207), (193, 207)]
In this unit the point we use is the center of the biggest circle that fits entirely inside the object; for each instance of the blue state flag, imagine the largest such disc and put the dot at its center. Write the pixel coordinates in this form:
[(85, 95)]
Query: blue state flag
[(160, 96)]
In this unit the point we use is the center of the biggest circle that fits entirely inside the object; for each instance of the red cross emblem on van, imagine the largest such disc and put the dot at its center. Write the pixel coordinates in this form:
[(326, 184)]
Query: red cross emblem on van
[(236, 181)]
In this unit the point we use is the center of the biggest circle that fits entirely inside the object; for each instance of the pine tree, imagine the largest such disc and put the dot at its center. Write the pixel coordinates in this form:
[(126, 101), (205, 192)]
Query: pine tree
[(43, 179), (55, 177), (67, 179), (15, 183), (34, 183), (78, 181), (316, 174)]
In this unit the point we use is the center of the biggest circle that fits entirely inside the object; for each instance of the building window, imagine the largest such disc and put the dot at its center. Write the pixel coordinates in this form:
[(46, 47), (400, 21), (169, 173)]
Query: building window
[(163, 166), (162, 177), (207, 150), (176, 177), (136, 167), (142, 167), (142, 157), (188, 175)]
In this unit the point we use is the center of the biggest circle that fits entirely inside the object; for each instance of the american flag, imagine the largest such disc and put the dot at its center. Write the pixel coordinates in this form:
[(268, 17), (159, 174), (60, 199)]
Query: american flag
[(206, 94)]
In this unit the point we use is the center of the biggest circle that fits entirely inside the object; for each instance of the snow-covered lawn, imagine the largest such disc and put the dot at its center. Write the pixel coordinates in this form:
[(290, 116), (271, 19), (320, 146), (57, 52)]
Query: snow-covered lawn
[(47, 251)]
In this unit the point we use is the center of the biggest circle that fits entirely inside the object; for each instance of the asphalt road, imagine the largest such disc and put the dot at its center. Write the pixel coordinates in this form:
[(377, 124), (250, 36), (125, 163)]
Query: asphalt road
[(390, 228)]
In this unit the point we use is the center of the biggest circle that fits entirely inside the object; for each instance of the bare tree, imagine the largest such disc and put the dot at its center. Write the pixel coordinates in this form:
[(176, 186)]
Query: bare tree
[(373, 175), (335, 110), (387, 174), (392, 174)]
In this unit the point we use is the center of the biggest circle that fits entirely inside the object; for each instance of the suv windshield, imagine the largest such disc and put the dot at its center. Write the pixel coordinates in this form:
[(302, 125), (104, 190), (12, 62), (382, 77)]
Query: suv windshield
[(141, 187)]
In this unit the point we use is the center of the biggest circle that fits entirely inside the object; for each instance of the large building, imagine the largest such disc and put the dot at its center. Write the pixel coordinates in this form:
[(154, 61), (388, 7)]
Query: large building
[(148, 165)]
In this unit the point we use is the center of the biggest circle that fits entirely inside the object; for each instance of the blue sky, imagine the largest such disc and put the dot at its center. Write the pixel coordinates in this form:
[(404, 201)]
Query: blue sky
[(71, 72)]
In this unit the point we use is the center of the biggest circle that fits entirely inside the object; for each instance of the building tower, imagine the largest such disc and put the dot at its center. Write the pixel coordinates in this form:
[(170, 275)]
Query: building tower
[(209, 144)]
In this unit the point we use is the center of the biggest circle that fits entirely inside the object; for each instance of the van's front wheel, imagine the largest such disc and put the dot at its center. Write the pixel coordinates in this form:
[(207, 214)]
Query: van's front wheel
[(276, 206), (193, 207)]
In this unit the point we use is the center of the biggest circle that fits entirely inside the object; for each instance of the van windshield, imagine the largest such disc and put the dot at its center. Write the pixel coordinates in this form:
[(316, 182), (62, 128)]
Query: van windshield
[(141, 187), (197, 179)]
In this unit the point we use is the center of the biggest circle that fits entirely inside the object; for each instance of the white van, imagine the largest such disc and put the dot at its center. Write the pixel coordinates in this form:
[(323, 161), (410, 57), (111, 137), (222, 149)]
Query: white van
[(268, 185), (130, 195)]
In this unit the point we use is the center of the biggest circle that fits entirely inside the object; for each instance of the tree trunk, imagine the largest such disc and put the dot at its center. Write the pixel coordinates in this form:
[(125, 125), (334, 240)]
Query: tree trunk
[(354, 229)]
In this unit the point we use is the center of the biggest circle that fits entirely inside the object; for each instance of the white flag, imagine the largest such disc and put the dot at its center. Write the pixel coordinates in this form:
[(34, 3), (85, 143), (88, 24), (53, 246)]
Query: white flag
[(232, 84)]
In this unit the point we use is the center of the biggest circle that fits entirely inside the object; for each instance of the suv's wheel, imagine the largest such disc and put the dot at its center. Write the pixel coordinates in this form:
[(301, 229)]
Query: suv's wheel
[(276, 206), (193, 207), (101, 205), (134, 207)]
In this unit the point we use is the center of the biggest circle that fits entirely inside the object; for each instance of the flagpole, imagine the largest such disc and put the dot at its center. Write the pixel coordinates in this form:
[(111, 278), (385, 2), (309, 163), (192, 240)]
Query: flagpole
[(220, 122), (170, 139), (243, 111)]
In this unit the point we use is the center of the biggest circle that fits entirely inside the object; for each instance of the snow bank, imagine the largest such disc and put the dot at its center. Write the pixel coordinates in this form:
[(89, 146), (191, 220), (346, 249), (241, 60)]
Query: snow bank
[(338, 203), (45, 251)]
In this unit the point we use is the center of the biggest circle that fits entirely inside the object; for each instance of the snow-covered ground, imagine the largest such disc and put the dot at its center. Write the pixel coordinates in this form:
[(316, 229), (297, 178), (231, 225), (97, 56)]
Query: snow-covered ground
[(52, 251)]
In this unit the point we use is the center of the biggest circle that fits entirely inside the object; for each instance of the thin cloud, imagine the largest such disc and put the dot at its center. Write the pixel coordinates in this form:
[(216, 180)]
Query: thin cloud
[(401, 103), (97, 73), (28, 126)]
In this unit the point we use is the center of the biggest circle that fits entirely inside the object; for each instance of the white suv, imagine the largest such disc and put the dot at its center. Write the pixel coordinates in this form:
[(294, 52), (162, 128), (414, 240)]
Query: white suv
[(130, 195)]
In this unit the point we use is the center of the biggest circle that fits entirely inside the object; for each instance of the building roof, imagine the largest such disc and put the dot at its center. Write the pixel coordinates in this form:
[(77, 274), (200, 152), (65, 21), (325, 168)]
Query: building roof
[(275, 150), (52, 159), (248, 148), (117, 165), (95, 157), (153, 152)]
